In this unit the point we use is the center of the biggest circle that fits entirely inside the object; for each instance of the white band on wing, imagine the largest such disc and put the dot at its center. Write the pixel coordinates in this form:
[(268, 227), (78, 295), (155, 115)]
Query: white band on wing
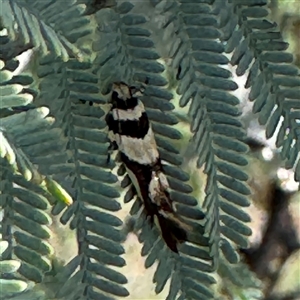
[(129, 114)]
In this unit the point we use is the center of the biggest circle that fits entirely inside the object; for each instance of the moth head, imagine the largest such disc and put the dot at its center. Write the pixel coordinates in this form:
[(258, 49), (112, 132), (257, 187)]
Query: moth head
[(124, 91)]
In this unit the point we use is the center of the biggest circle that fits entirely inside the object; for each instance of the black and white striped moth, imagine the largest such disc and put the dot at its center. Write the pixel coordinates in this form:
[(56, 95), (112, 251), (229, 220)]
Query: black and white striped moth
[(131, 133)]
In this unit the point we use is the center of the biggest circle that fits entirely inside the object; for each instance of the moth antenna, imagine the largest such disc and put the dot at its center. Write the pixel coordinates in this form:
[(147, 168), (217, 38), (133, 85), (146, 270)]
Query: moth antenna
[(144, 84), (142, 87)]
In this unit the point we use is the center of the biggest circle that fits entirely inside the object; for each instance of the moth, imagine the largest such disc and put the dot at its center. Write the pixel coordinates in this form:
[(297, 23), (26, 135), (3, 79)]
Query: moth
[(131, 133)]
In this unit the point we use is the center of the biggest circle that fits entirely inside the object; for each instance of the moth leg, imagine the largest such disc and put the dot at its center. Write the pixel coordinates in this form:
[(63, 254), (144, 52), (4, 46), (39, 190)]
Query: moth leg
[(111, 148)]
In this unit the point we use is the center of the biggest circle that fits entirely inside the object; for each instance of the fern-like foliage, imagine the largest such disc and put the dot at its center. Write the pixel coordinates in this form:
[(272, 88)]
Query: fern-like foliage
[(82, 162), (273, 79), (59, 132), (24, 202), (218, 134), (136, 47), (238, 281), (9, 287), (42, 24)]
